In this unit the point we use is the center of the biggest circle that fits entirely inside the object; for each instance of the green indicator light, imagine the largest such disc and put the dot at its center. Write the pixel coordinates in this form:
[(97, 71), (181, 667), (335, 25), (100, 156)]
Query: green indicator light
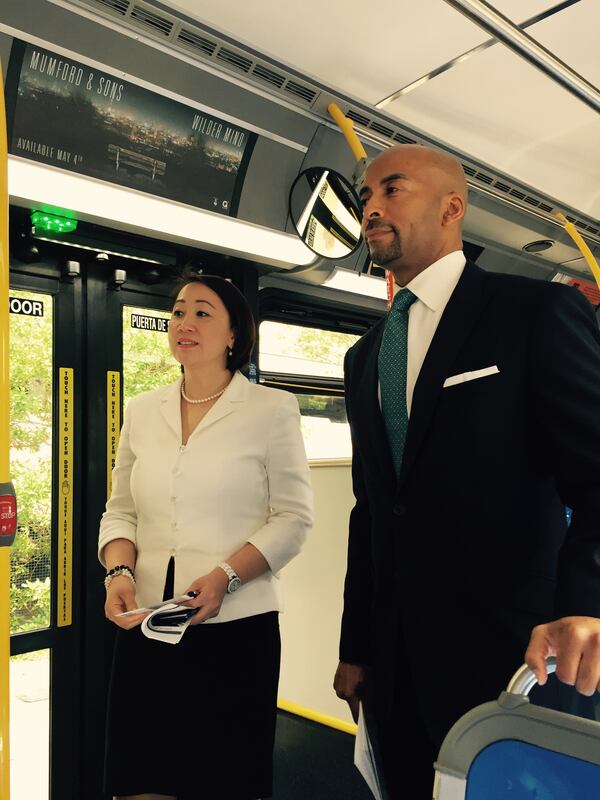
[(52, 222)]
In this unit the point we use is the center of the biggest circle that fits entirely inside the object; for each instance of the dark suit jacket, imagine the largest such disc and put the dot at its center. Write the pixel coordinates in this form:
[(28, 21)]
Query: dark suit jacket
[(452, 565)]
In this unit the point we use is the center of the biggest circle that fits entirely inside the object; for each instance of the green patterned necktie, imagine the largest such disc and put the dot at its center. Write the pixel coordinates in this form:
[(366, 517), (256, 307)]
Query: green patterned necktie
[(393, 355)]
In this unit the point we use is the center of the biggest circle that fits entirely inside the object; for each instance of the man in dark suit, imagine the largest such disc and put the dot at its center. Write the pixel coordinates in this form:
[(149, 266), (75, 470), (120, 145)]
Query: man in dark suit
[(475, 415)]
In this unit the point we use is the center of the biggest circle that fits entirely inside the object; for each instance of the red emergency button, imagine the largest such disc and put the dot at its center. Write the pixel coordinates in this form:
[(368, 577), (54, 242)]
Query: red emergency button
[(8, 515)]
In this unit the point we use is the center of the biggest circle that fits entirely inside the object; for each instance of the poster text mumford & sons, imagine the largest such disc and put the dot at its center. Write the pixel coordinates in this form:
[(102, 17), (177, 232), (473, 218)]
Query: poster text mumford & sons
[(75, 117)]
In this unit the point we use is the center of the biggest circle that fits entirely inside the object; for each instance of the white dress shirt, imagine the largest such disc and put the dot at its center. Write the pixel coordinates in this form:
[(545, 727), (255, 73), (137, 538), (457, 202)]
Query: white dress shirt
[(241, 477), (433, 288)]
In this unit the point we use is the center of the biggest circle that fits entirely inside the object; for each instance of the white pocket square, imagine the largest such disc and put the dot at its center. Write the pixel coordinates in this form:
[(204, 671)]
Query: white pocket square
[(470, 376)]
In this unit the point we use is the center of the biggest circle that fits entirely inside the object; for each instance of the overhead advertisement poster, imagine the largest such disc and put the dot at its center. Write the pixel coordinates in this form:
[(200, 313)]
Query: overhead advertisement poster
[(66, 114)]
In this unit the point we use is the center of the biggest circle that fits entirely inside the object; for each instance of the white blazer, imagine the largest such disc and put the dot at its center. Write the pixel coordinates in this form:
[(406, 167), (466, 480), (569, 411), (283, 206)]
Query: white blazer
[(242, 477)]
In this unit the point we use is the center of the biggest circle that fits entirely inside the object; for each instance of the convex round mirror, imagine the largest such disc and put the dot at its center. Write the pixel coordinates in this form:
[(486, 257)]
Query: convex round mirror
[(326, 213)]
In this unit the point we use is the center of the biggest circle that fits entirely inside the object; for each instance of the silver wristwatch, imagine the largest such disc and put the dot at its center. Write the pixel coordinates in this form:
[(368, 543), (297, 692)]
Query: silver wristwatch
[(234, 579)]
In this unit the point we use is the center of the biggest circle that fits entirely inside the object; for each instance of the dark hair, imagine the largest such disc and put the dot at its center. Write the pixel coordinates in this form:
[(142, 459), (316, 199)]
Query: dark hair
[(240, 316)]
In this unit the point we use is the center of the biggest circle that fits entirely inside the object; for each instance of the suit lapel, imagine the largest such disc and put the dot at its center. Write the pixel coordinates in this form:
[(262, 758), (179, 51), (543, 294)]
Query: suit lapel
[(461, 313), (170, 407), (230, 401), (368, 419)]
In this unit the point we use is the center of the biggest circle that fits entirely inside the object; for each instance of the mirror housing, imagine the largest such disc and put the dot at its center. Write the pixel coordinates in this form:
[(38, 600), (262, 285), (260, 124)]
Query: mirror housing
[(325, 211)]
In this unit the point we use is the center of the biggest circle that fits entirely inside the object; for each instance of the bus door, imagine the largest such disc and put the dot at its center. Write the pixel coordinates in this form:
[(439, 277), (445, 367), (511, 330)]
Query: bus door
[(85, 338), (45, 357)]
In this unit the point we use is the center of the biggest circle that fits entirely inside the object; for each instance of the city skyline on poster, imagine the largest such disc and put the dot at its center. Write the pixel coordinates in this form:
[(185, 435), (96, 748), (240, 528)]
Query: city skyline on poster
[(84, 120)]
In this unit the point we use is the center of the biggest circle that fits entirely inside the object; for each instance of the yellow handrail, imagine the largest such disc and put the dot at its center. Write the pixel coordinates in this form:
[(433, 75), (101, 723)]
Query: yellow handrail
[(582, 245), (316, 716), (347, 128), (4, 460)]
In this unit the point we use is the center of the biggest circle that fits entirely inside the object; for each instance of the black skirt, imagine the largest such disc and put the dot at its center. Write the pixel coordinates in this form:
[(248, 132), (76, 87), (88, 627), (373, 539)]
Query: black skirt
[(197, 719)]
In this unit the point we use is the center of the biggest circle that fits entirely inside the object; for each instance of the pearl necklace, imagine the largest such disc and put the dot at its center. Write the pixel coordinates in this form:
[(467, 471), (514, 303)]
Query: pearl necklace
[(204, 399)]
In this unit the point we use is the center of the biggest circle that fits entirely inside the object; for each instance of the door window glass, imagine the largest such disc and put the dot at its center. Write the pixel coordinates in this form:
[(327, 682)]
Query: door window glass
[(31, 458), (147, 360)]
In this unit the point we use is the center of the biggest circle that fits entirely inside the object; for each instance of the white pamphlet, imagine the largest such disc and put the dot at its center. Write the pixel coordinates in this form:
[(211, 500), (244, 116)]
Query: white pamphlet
[(364, 757), (168, 623)]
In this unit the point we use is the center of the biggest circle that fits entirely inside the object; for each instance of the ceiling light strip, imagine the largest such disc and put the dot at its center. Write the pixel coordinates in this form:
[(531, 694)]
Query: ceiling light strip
[(78, 246), (103, 203), (347, 281)]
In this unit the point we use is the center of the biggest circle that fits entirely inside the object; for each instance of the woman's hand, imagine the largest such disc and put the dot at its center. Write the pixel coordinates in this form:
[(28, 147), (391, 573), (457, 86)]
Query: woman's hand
[(120, 597), (211, 589)]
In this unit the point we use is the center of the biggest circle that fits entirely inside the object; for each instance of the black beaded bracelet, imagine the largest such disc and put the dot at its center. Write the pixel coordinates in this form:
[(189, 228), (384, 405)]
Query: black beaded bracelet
[(122, 569)]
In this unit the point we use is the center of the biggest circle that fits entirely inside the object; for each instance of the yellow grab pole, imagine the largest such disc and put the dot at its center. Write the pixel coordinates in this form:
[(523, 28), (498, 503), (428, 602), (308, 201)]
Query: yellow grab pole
[(582, 245), (347, 128), (8, 511)]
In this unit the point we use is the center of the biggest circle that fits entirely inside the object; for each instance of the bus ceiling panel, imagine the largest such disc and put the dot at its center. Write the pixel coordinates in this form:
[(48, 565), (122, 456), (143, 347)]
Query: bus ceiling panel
[(573, 38), (487, 222), (510, 263), (264, 196), (578, 267), (368, 51), (506, 113)]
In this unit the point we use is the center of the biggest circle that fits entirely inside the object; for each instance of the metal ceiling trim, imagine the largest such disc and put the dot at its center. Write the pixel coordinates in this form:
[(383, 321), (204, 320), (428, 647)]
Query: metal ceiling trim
[(410, 87), (495, 23)]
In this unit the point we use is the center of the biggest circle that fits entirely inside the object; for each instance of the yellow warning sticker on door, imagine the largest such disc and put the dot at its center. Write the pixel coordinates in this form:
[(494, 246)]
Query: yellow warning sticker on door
[(65, 497), (113, 424)]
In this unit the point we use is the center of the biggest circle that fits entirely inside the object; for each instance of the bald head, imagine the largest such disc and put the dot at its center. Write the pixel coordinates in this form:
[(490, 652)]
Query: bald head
[(414, 201), (440, 168)]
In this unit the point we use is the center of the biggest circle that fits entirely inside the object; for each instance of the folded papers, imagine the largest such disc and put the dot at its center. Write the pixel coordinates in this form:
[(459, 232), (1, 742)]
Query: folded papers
[(168, 623)]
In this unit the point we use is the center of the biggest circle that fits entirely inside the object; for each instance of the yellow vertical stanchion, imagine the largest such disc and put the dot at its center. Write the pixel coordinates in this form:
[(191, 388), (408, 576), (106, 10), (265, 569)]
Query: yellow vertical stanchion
[(347, 128), (581, 244), (8, 506)]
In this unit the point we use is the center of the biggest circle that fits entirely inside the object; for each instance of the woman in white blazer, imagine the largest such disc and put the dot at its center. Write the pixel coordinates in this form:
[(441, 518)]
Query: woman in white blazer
[(211, 495)]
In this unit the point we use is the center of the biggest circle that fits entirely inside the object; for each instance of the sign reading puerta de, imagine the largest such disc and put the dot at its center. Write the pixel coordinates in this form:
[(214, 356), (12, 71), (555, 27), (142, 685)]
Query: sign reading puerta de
[(66, 114)]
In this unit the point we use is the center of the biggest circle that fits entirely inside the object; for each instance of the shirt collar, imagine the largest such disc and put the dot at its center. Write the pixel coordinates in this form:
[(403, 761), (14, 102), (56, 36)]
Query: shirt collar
[(435, 284)]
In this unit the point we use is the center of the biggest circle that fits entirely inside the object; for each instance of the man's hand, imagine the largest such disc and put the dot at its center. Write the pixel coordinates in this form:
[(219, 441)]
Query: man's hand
[(575, 641), (348, 684)]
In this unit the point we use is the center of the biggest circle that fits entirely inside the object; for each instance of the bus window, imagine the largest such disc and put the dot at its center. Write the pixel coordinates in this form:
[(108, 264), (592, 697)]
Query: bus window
[(310, 362), (295, 350)]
